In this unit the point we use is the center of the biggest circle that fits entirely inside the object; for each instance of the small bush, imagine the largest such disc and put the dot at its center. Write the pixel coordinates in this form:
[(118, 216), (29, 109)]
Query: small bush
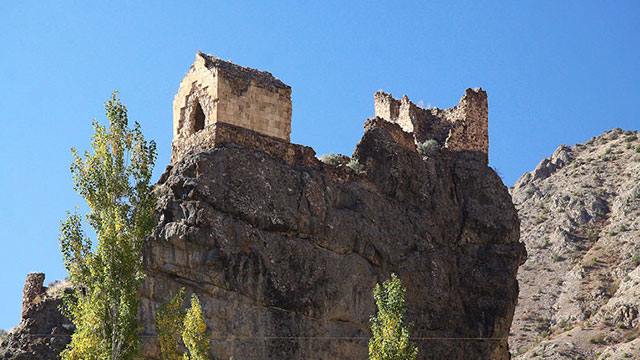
[(333, 159), (429, 147), (598, 339), (540, 220), (591, 263), (565, 324), (355, 165), (543, 326), (546, 244), (58, 287), (635, 260)]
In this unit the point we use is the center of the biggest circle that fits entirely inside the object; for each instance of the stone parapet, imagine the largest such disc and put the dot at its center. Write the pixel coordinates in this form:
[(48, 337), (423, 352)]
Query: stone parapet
[(222, 134)]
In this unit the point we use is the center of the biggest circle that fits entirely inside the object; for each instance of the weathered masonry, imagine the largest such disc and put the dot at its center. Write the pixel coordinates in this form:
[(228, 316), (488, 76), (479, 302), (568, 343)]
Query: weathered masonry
[(463, 127), (215, 93), (220, 102)]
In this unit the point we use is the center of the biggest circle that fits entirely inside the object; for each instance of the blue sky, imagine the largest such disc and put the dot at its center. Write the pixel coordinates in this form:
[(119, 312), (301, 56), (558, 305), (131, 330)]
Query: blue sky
[(555, 71)]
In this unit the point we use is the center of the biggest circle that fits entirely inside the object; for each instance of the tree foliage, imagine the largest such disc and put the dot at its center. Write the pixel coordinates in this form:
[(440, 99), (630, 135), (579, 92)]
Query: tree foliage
[(114, 180), (169, 326), (390, 333), (194, 333), (173, 323)]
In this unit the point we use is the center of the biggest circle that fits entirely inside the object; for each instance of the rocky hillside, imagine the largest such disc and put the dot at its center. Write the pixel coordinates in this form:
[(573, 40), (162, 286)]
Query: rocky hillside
[(580, 286), (284, 255)]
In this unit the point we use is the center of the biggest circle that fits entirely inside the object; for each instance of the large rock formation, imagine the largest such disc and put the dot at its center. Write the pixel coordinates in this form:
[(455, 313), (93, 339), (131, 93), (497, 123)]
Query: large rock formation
[(43, 331), (580, 287), (284, 251)]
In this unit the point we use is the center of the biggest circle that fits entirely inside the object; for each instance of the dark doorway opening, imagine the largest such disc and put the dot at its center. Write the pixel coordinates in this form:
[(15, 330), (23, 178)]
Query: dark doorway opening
[(198, 118)]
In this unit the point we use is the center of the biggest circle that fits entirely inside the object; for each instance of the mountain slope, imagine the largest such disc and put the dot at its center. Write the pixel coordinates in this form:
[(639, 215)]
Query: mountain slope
[(580, 286)]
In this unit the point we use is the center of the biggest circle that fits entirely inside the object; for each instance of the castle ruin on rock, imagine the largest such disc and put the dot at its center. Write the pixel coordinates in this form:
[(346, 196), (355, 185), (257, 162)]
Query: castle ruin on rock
[(264, 232), (220, 102)]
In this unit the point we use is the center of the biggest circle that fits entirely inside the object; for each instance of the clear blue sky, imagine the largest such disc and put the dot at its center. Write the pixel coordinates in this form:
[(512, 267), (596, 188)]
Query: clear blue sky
[(556, 72)]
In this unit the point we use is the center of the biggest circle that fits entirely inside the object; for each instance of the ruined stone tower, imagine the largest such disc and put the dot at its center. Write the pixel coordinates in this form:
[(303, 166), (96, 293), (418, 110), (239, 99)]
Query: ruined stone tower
[(31, 293), (463, 127), (217, 97)]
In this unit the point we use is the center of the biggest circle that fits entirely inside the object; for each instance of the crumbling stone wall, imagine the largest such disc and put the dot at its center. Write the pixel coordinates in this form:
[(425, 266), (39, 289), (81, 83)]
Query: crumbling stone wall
[(31, 293), (231, 94), (463, 127), (471, 122)]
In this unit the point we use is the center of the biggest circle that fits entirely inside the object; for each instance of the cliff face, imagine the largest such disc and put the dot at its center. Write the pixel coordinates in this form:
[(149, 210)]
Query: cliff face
[(284, 254), (580, 287), (43, 331)]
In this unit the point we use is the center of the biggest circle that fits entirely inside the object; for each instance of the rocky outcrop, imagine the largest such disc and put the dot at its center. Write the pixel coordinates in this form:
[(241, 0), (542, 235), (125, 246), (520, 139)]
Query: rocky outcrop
[(284, 254), (284, 250), (561, 157), (580, 287), (43, 331)]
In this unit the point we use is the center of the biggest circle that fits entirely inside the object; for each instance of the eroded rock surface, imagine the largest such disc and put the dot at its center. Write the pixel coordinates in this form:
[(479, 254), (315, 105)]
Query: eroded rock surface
[(284, 256), (580, 286), (43, 331)]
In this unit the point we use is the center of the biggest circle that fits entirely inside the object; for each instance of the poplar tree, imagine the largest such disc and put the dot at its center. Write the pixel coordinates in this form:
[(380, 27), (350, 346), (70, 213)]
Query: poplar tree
[(169, 327), (194, 333), (114, 180), (173, 323), (390, 332)]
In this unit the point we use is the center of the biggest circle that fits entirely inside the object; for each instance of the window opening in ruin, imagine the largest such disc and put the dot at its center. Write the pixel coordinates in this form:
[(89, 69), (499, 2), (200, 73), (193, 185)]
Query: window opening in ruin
[(198, 118)]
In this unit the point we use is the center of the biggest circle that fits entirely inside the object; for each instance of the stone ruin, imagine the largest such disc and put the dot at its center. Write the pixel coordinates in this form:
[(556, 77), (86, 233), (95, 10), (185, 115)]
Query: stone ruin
[(320, 233), (32, 293), (218, 99), (219, 102), (463, 127)]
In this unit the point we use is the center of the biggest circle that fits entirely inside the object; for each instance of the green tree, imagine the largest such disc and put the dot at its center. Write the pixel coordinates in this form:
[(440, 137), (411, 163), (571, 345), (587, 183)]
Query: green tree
[(114, 180), (390, 333), (194, 332), (169, 326)]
